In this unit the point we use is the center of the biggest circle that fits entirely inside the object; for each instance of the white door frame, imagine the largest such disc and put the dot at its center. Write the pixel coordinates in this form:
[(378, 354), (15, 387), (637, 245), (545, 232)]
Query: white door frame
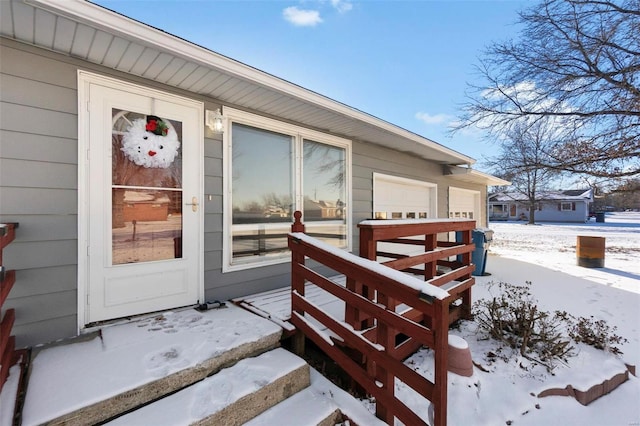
[(85, 80)]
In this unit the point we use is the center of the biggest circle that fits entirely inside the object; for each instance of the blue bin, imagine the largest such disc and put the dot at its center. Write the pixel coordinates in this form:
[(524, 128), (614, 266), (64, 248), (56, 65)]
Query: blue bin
[(481, 237)]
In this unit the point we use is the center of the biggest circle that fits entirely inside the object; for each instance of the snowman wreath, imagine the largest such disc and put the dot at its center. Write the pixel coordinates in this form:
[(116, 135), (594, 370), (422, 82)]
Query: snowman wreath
[(151, 143)]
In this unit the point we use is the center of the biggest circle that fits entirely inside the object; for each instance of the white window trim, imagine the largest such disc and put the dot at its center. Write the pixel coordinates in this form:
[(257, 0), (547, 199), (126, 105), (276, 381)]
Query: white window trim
[(299, 133), (433, 195)]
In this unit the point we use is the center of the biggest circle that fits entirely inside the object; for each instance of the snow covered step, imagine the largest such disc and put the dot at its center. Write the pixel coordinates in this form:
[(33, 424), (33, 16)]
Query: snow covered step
[(308, 407), (231, 397), (321, 404), (96, 378)]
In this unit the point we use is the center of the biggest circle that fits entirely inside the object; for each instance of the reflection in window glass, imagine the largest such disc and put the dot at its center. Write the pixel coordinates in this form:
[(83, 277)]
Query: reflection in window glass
[(262, 188), (274, 170), (396, 215), (151, 226), (324, 193), (146, 202), (381, 215), (422, 215)]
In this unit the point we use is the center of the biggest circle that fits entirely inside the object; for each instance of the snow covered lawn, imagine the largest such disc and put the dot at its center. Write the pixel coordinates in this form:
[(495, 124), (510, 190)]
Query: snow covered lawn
[(506, 393)]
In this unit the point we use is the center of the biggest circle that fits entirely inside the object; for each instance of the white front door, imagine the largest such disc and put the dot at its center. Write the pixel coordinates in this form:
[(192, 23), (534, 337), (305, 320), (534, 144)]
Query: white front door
[(140, 200)]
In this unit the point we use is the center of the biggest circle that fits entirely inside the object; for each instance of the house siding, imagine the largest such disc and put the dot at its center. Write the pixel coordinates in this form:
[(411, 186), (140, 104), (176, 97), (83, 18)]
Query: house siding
[(551, 213), (39, 189)]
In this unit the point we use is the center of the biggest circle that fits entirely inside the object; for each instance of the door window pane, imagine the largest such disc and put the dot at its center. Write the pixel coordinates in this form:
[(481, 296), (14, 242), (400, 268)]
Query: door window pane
[(262, 190), (142, 158), (146, 176), (151, 226)]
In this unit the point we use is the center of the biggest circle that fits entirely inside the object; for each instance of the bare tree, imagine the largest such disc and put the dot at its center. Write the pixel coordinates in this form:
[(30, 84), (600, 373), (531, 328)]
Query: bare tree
[(519, 160), (576, 66)]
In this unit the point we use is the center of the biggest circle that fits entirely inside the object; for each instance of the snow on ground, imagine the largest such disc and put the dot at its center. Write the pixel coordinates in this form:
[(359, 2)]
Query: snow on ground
[(505, 394), (553, 245), (545, 255)]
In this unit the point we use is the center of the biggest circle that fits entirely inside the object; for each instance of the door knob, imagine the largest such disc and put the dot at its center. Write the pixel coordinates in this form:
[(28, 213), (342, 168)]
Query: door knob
[(193, 204)]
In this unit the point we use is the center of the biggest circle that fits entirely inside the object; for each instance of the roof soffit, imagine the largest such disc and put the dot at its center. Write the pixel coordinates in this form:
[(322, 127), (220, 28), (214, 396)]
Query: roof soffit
[(90, 32)]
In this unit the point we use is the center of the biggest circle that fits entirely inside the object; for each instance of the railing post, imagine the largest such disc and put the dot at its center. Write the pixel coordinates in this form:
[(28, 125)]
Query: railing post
[(467, 238), (440, 323), (430, 244), (297, 225), (368, 249), (297, 281)]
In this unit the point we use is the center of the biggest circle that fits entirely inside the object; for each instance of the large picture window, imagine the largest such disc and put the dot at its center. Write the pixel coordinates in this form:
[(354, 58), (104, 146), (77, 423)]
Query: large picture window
[(271, 170)]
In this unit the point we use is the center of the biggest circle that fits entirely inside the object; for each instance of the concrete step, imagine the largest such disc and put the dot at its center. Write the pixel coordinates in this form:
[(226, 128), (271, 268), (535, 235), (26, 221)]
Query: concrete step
[(307, 407), (321, 404), (231, 397), (125, 366)]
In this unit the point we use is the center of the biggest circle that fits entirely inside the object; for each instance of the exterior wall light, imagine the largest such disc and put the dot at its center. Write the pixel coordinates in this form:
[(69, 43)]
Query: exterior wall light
[(214, 121)]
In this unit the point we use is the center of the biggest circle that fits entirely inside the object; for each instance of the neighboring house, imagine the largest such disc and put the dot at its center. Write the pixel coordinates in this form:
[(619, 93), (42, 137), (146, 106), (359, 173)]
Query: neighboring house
[(553, 206), (81, 83)]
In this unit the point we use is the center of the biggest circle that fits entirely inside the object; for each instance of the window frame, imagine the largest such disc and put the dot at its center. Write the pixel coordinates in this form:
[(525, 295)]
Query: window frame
[(299, 135), (504, 208), (563, 204)]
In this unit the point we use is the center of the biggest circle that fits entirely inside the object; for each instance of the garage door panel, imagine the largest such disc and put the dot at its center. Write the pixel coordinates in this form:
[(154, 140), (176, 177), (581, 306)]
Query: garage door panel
[(464, 204), (401, 198)]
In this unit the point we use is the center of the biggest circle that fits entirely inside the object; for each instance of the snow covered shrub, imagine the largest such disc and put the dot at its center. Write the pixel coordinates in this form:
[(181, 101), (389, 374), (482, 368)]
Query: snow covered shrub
[(596, 333), (513, 318)]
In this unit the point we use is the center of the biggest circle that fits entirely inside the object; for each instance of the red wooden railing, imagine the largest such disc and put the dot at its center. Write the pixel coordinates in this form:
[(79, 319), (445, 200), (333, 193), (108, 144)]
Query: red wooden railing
[(366, 343), (429, 258), (8, 355)]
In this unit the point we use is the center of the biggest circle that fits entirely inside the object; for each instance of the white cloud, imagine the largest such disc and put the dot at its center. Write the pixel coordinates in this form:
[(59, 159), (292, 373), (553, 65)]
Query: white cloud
[(301, 17), (341, 5), (433, 119)]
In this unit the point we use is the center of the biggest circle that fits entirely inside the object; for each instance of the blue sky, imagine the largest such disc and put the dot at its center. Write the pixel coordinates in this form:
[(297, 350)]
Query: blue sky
[(406, 62)]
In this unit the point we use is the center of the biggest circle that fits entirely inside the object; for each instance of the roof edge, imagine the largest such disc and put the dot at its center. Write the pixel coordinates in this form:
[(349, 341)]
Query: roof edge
[(113, 22), (480, 177)]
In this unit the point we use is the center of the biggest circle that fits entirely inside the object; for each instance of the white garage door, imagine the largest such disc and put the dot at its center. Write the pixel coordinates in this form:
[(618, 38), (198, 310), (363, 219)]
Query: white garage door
[(401, 198), (464, 204)]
